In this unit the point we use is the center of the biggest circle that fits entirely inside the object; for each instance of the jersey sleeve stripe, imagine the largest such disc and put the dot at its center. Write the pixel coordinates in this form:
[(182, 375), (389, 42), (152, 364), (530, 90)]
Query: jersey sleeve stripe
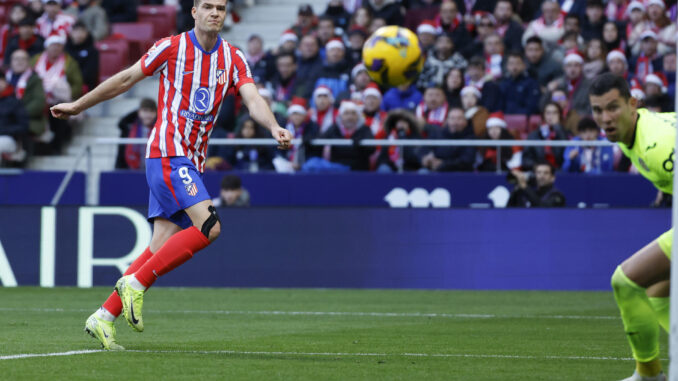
[(159, 49)]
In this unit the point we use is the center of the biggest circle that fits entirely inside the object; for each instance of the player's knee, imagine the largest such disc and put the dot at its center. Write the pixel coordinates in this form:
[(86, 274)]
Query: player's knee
[(211, 228), (621, 284)]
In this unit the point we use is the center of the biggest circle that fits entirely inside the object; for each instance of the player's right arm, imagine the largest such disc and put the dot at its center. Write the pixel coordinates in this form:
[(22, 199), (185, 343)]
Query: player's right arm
[(108, 89)]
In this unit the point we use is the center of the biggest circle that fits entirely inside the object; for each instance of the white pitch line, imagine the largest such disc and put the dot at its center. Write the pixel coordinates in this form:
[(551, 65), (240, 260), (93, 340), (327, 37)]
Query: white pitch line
[(30, 355), (338, 313), (327, 354)]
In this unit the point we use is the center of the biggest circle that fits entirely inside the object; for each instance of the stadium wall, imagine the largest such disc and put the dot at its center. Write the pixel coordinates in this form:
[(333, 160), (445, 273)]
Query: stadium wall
[(575, 249), (340, 189)]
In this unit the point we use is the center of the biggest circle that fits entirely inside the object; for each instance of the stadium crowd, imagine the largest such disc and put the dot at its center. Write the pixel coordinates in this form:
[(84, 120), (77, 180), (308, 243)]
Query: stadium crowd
[(494, 69)]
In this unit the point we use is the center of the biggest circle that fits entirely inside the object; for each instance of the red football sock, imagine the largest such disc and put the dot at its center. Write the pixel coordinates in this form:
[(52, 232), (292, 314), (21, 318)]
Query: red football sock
[(113, 303), (178, 249)]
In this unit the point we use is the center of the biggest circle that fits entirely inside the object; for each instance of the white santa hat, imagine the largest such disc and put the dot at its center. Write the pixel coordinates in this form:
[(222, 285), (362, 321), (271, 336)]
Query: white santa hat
[(357, 69), (656, 2), (471, 90), (496, 119), (573, 56), (335, 43), (55, 39), (648, 34), (372, 89), (637, 92), (635, 5), (349, 106), (616, 54), (266, 93), (427, 27), (287, 36), (323, 90), (656, 79)]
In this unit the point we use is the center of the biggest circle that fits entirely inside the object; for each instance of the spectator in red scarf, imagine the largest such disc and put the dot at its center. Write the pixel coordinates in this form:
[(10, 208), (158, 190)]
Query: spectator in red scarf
[(432, 110), (508, 28), (374, 117), (648, 61), (550, 129), (574, 83), (301, 128), (550, 26), (11, 28), (137, 124), (449, 21), (13, 120), (497, 130), (349, 125), (28, 88), (323, 112), (26, 40), (360, 80), (54, 20), (400, 124)]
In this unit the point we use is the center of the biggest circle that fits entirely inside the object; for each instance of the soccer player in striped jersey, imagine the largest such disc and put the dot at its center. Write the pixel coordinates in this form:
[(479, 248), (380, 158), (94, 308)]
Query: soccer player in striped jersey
[(641, 282), (196, 69)]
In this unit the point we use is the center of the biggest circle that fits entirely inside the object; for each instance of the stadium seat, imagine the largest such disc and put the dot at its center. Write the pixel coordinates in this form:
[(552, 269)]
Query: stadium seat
[(163, 18), (4, 14), (517, 124), (139, 35), (113, 57)]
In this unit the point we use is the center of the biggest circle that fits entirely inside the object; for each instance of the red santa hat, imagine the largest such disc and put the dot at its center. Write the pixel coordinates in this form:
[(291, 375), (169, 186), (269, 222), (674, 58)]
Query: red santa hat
[(635, 5), (372, 89), (427, 26), (471, 90), (496, 119), (573, 56), (55, 38), (479, 15), (656, 2), (287, 36), (323, 90), (349, 106), (637, 92), (298, 106), (616, 54), (658, 79), (335, 43)]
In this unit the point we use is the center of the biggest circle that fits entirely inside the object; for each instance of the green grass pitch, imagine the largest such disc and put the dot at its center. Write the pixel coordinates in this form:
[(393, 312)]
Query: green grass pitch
[(318, 334)]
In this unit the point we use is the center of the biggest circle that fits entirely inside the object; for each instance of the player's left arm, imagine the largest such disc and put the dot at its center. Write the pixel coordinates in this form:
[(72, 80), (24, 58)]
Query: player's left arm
[(262, 114)]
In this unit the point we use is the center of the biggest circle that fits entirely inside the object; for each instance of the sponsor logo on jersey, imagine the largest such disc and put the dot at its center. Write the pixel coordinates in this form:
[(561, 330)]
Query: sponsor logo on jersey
[(201, 99), (199, 117)]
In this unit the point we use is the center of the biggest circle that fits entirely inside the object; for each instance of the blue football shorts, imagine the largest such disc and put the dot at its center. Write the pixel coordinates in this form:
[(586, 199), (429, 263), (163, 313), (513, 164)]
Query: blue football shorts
[(175, 185)]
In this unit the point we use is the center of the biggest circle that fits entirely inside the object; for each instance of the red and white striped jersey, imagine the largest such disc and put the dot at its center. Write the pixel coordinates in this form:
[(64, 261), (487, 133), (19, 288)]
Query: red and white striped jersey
[(193, 84), (61, 24)]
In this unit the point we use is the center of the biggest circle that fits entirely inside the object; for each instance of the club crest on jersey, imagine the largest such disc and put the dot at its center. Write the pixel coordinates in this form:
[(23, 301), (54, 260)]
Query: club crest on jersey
[(221, 76), (192, 189), (201, 99)]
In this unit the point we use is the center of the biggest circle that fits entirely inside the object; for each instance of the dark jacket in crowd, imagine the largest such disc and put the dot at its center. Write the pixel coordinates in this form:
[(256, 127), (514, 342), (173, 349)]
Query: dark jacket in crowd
[(532, 155), (34, 101), (13, 116), (454, 158), (408, 99), (545, 71), (311, 68), (304, 151), (513, 37), (544, 197), (120, 10), (409, 155), (389, 12), (339, 15), (87, 57), (36, 47), (492, 97), (335, 76), (520, 95), (357, 157)]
